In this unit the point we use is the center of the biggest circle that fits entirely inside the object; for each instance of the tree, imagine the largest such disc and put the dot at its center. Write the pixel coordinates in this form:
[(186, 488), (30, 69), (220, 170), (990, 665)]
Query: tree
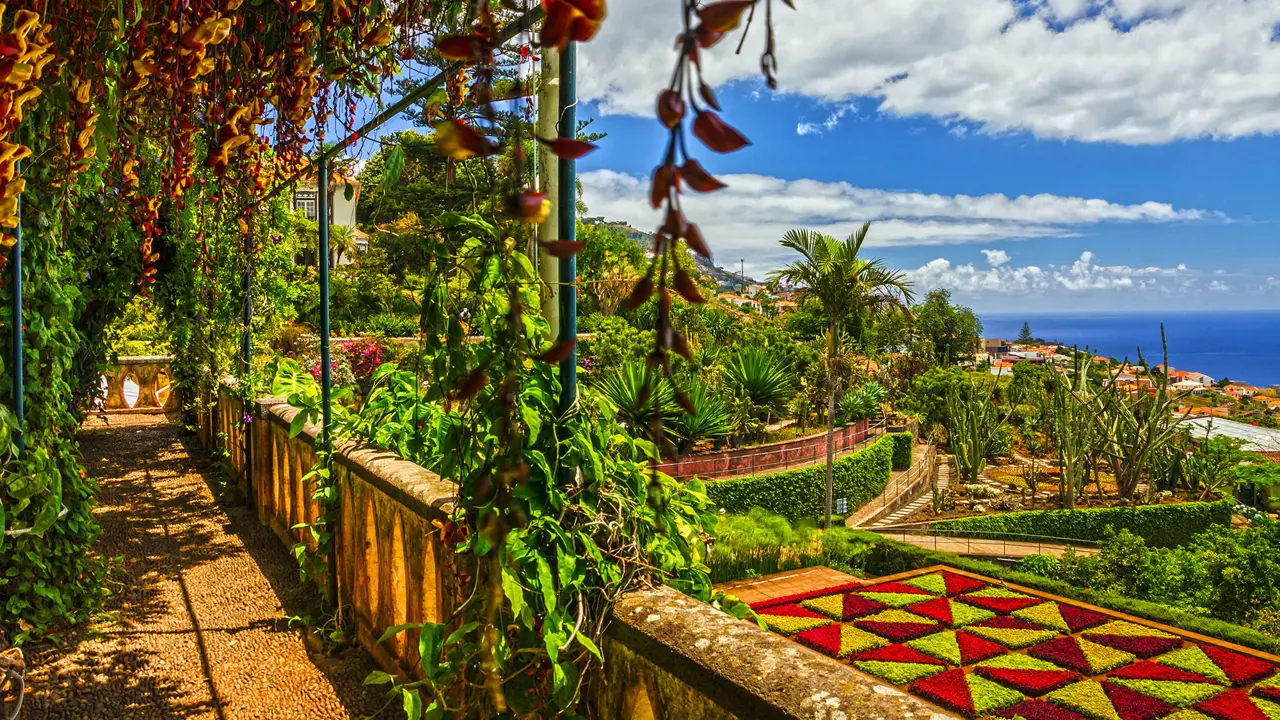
[(1024, 337), (954, 330), (833, 272), (342, 241)]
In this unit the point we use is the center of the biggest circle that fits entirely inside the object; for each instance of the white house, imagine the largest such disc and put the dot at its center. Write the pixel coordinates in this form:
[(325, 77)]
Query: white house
[(341, 210), (1188, 386)]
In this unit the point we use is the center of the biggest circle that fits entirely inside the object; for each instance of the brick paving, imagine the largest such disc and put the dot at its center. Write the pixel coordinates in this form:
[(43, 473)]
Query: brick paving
[(197, 626), (785, 584)]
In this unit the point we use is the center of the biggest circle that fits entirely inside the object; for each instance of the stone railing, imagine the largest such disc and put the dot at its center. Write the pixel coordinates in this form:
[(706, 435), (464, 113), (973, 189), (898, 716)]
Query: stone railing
[(667, 656), (142, 384)]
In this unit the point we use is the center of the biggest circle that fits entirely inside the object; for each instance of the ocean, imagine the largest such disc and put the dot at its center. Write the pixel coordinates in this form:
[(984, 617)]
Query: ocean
[(1243, 345)]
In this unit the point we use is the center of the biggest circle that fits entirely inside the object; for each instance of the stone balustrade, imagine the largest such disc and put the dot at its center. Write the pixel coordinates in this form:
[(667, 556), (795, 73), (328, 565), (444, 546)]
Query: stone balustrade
[(141, 384)]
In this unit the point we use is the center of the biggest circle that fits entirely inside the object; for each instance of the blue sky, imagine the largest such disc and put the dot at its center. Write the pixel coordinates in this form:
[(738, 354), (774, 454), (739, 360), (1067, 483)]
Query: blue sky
[(1038, 155)]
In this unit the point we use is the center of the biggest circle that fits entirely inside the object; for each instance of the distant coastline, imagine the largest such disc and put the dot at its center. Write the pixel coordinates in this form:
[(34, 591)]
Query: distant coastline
[(1243, 345)]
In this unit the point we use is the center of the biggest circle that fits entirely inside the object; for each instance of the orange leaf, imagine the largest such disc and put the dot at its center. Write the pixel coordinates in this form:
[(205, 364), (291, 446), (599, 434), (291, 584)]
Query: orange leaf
[(562, 248), (708, 96), (593, 9), (472, 385), (683, 401), (555, 28), (698, 178), (670, 108), (568, 148), (717, 134), (531, 207), (468, 48), (641, 293), (460, 141), (721, 17), (679, 344), (557, 353), (693, 238)]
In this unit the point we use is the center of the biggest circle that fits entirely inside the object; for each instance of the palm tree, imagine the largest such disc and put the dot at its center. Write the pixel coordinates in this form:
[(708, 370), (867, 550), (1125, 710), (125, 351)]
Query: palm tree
[(846, 284), (342, 241)]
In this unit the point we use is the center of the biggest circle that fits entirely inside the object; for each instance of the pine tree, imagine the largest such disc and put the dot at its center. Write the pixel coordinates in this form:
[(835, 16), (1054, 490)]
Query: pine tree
[(1024, 337)]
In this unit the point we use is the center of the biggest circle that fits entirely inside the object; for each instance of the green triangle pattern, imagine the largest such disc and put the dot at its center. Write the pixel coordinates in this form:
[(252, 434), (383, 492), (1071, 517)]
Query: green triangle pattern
[(934, 583)]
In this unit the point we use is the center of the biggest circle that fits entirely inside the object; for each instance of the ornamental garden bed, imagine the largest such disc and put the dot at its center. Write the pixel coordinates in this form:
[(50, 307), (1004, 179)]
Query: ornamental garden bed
[(983, 649)]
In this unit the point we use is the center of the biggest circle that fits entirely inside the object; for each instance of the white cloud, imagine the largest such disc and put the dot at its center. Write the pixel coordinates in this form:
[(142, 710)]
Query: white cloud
[(1083, 275), (1128, 71), (832, 121), (1219, 286), (746, 219), (996, 258)]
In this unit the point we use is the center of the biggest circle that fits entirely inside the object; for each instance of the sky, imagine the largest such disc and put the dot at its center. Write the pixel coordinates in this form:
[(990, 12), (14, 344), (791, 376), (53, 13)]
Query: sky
[(1031, 155)]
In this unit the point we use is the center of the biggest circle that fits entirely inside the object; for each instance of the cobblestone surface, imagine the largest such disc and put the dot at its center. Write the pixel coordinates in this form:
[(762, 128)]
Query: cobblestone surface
[(197, 626)]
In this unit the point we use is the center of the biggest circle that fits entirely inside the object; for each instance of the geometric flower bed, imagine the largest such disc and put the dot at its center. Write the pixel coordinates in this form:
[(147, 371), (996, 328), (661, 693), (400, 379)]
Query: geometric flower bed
[(980, 649)]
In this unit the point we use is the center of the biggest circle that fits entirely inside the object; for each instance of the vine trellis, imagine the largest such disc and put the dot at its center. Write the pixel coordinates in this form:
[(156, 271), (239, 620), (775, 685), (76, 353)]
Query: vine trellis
[(156, 139)]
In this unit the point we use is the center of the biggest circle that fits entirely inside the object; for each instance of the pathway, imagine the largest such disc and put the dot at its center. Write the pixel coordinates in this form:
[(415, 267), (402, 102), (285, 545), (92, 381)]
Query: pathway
[(197, 624), (983, 547), (925, 498)]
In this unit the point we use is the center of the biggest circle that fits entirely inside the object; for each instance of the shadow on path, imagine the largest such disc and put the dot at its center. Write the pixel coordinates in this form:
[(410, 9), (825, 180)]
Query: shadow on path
[(197, 626)]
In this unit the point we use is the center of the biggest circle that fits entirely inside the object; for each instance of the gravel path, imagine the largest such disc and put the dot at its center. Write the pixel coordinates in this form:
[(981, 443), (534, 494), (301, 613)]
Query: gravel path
[(197, 626)]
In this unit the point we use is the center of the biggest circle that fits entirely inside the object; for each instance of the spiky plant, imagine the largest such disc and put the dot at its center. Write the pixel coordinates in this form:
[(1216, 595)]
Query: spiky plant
[(635, 390), (973, 426), (755, 374), (1073, 429), (711, 418)]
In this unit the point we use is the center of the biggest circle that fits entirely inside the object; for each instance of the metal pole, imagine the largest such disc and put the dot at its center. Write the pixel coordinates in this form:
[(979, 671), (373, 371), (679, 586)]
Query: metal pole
[(247, 353), (549, 183), (568, 231), (15, 267), (326, 381)]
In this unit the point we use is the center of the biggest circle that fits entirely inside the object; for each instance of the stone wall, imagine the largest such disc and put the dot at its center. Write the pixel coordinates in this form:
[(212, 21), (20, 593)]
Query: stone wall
[(152, 375)]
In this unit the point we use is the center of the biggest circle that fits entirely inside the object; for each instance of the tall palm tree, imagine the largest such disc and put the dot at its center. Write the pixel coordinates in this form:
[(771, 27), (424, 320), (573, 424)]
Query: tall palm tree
[(342, 241), (833, 272)]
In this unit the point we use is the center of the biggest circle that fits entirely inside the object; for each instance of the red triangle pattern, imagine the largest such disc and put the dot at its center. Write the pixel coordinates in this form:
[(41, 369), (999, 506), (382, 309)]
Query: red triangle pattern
[(975, 649), (898, 653), (1133, 705), (1064, 651), (1079, 618), (792, 611), (1239, 668), (1039, 710), (1269, 693), (957, 584), (856, 606), (1149, 670), (898, 631), (824, 639), (948, 689), (939, 609), (1231, 705), (1030, 682), (1144, 646), (1002, 605)]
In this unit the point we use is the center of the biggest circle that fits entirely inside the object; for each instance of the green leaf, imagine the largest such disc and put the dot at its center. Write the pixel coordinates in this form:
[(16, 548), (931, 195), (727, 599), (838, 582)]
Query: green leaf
[(590, 645), (460, 633), (297, 424), (412, 702), (545, 583), (565, 683), (395, 630), (377, 677), (515, 593), (394, 167)]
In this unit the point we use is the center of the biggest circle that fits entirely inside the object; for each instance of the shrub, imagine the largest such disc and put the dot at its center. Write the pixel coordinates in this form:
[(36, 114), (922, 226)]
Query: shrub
[(801, 494), (903, 444), (1159, 525), (759, 543)]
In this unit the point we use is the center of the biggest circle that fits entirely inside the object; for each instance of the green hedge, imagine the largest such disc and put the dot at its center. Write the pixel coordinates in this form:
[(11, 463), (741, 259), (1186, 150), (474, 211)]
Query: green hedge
[(903, 443), (801, 494), (1159, 525), (888, 557)]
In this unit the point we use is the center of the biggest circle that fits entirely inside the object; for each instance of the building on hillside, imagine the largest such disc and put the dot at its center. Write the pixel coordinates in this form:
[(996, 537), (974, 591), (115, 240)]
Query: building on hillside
[(342, 211), (1238, 390), (995, 349), (1201, 378), (1188, 386), (1030, 356), (785, 306), (739, 301), (1001, 367)]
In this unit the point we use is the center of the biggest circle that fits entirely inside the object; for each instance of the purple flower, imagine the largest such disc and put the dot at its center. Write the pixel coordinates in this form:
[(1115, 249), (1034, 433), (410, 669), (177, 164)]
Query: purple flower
[(247, 418)]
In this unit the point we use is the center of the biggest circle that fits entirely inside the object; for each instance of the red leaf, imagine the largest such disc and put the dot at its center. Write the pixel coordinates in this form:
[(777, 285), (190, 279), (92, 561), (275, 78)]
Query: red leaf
[(562, 248), (721, 17), (687, 288), (708, 96), (467, 48), (663, 177), (557, 353), (670, 108), (583, 28), (698, 178), (555, 28), (687, 405), (460, 141), (470, 386), (705, 37), (593, 9), (681, 346), (641, 293), (717, 134), (693, 238), (568, 148), (531, 207), (674, 224)]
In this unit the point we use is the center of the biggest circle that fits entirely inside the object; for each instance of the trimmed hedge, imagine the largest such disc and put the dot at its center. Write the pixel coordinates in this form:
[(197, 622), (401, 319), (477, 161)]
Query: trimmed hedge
[(889, 557), (903, 443), (1158, 525), (801, 494)]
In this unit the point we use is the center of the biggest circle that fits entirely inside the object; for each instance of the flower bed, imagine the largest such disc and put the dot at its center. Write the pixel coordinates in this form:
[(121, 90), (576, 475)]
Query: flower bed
[(981, 649)]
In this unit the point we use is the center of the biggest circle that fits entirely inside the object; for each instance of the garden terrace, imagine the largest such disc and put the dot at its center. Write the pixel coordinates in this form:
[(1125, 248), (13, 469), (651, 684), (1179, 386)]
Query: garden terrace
[(981, 647)]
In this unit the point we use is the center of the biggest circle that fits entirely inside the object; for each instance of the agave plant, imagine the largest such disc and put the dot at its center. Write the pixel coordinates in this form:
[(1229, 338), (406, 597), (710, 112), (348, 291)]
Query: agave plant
[(636, 391), (710, 419), (754, 374)]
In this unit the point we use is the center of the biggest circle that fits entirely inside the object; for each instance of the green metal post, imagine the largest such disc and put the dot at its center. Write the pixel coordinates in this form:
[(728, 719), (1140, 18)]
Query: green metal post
[(567, 206), (15, 266), (326, 381), (247, 352)]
